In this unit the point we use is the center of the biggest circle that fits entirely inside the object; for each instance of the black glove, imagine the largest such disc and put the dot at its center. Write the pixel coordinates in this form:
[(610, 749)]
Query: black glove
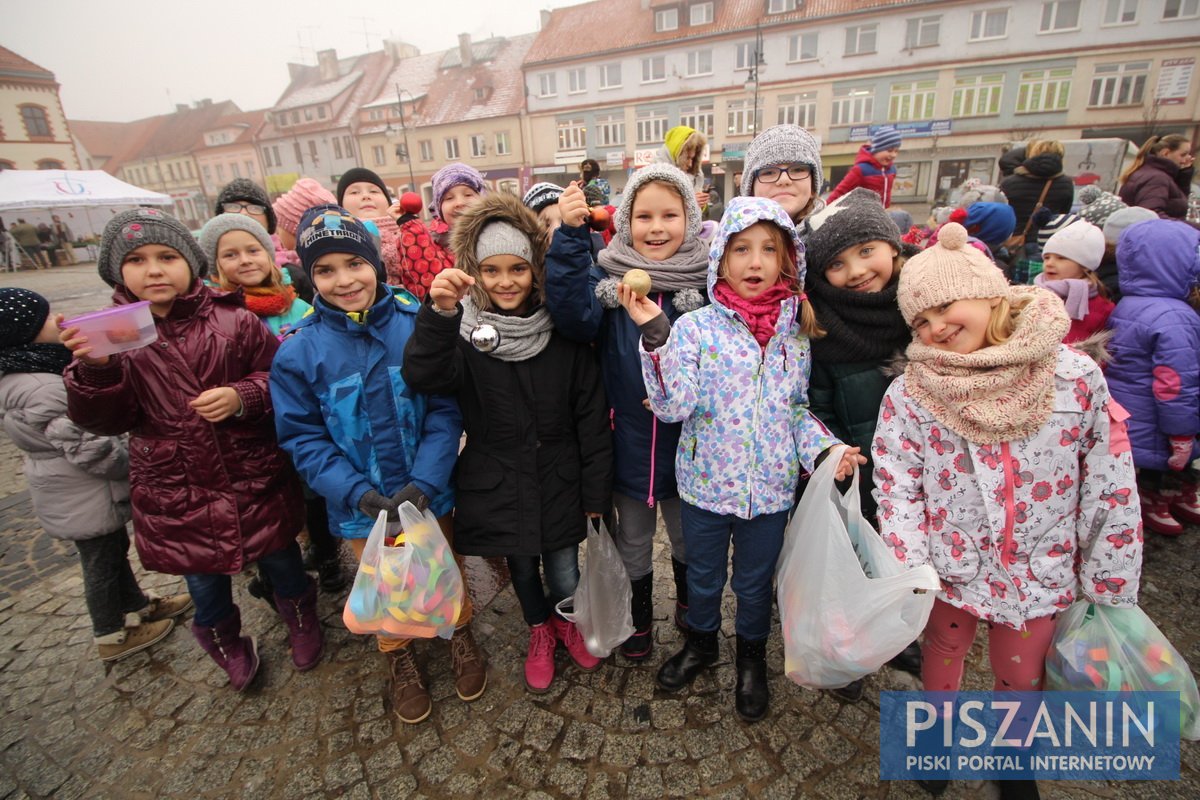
[(372, 502), (411, 494)]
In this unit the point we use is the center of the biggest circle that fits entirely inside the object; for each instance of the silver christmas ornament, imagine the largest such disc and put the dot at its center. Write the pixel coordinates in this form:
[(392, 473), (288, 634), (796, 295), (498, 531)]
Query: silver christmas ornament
[(485, 338)]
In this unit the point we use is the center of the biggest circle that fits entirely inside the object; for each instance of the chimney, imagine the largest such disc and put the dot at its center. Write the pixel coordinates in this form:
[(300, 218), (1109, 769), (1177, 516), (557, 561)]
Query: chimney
[(327, 64), (545, 18), (205, 103), (399, 50), (181, 107), (464, 49), (295, 71)]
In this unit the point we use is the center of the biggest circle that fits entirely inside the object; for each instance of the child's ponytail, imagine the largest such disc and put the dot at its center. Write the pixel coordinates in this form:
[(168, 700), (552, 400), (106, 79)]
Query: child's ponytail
[(809, 326)]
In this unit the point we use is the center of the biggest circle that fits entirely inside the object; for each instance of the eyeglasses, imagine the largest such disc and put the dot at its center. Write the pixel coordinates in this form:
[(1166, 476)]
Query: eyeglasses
[(237, 208), (794, 172)]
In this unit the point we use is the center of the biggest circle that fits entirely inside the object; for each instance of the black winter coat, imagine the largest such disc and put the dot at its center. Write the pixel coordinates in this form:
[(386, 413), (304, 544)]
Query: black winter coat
[(1025, 186)]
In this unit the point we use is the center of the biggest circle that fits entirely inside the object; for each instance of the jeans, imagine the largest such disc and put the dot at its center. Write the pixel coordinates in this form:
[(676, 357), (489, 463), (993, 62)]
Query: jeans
[(562, 576), (756, 546), (634, 531), (109, 587), (213, 594)]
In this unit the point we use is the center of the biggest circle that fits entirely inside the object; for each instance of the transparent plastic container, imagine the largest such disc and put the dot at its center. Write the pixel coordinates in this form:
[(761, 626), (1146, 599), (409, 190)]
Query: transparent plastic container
[(115, 330)]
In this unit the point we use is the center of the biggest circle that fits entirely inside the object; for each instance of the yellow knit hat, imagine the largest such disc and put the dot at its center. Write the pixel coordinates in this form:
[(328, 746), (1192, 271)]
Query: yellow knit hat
[(676, 138), (949, 270)]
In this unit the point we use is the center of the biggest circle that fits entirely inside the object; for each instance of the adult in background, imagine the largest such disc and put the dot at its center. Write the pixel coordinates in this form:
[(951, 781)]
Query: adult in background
[(26, 235), (874, 166), (1160, 177), (1041, 171), (49, 244), (66, 238)]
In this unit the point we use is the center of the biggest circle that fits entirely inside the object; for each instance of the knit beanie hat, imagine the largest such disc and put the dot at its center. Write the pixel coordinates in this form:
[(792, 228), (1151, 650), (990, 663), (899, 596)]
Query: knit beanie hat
[(949, 270), (500, 238), (304, 194), (991, 223), (1098, 205), (243, 190), (856, 218), (360, 175), (1051, 225), (450, 176), (541, 195), (331, 229), (666, 173), (218, 226), (1116, 224), (131, 229), (22, 315), (782, 144), (886, 138), (595, 195), (1081, 241), (676, 138)]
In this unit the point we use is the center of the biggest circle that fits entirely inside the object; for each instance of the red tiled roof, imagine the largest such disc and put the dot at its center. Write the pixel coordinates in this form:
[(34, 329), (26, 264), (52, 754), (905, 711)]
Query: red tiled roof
[(117, 142), (19, 66)]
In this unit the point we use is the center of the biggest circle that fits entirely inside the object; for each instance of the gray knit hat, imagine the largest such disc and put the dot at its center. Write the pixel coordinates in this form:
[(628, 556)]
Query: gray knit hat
[(242, 190), (1098, 205), (218, 226), (855, 218), (1118, 221), (131, 229), (666, 173), (500, 238), (782, 144), (541, 195)]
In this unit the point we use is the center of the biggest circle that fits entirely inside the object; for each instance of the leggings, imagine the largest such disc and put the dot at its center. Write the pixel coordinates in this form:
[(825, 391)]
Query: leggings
[(1018, 657)]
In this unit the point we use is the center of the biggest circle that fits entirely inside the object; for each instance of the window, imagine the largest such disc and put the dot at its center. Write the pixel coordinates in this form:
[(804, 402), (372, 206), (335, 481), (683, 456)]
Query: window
[(1044, 90), (36, 122), (922, 32), (207, 174), (266, 156), (188, 165), (798, 109), (1120, 12), (321, 112), (278, 160), (171, 171), (610, 129), (853, 105), (348, 146), (451, 148), (547, 85), (502, 146), (860, 39), (295, 117), (989, 24), (572, 134), (308, 115), (666, 20), (780, 6), (480, 93), (651, 125), (379, 154), (576, 81), (977, 95), (1060, 15), (337, 147), (249, 169), (1181, 9), (701, 13), (699, 62), (698, 117), (6, 165), (49, 163), (426, 146), (236, 170), (312, 150), (478, 145), (740, 117), (802, 47), (610, 76), (912, 100), (654, 69), (745, 56), (220, 172), (1119, 84)]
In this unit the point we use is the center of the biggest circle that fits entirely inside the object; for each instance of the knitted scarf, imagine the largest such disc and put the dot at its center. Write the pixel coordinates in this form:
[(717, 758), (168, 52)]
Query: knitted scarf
[(860, 326), (1000, 393), (35, 357), (521, 338), (686, 269), (1075, 292), (760, 313), (266, 301)]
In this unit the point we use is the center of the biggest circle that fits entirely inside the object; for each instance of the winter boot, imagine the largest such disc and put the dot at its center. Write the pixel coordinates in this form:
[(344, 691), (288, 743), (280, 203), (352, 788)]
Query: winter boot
[(852, 692), (539, 662), (908, 660), (1156, 515), (1183, 503), (409, 692), (681, 594), (935, 786), (699, 651), (260, 587), (470, 666), (638, 646), (304, 627), (752, 696), (168, 607), (234, 653), (128, 641), (572, 639), (1019, 790)]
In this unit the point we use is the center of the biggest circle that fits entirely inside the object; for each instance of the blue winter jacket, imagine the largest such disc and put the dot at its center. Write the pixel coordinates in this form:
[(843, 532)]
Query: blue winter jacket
[(350, 423), (1154, 364)]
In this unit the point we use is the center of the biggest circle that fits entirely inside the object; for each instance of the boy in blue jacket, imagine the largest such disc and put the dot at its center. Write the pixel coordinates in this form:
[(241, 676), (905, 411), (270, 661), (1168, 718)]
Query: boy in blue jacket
[(357, 433)]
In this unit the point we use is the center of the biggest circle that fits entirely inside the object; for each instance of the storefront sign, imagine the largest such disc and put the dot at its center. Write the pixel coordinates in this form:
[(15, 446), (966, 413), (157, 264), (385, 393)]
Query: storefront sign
[(1174, 81), (934, 127)]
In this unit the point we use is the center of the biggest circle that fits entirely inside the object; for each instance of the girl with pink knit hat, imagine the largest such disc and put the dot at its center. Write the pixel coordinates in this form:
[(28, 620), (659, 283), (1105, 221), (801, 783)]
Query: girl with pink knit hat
[(289, 207), (425, 251)]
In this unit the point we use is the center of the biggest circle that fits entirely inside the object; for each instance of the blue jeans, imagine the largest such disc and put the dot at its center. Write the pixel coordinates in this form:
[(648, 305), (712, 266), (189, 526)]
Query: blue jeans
[(756, 546), (213, 594), (562, 576)]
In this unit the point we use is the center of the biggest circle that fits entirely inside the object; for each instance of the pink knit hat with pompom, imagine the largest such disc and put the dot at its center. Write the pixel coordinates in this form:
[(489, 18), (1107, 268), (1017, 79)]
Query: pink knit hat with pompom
[(948, 271), (304, 194)]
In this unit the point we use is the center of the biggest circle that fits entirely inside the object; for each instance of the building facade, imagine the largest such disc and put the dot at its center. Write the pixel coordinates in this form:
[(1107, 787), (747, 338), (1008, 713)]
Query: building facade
[(34, 133)]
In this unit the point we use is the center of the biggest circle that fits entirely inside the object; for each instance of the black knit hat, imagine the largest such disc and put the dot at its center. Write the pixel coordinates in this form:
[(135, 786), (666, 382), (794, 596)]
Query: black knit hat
[(241, 190), (22, 315), (332, 229), (360, 175), (856, 218)]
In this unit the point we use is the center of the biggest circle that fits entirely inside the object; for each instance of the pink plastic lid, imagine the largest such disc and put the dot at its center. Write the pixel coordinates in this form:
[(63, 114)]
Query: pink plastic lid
[(107, 312)]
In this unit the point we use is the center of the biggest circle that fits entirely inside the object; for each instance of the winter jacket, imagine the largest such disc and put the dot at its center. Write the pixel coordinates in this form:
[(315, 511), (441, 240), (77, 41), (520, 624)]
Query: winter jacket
[(350, 422), (747, 429), (1154, 354), (207, 498), (421, 255), (1155, 186), (1096, 320), (78, 481), (1004, 525), (869, 174), (1024, 187)]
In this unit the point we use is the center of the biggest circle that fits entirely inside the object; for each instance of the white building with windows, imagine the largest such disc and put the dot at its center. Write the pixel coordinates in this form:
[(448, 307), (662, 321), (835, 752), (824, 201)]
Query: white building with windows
[(34, 132)]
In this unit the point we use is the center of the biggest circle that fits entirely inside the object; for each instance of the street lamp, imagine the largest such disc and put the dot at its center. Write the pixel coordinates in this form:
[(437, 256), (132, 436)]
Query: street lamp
[(756, 64), (412, 181)]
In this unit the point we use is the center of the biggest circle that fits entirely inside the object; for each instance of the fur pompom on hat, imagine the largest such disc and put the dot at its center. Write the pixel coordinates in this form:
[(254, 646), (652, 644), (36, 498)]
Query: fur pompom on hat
[(305, 193), (541, 195), (1081, 241), (218, 226), (667, 174), (949, 270), (1098, 205), (131, 229), (782, 144), (243, 190), (856, 218), (452, 175)]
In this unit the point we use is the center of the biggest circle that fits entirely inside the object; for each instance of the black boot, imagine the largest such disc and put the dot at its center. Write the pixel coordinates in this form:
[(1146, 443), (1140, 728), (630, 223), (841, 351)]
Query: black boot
[(935, 786), (260, 586), (638, 646), (752, 695), (852, 692), (908, 660), (699, 652), (324, 555), (1019, 790), (681, 594)]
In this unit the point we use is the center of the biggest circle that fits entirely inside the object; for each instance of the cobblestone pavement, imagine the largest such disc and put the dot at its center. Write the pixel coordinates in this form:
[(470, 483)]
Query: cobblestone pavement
[(163, 723)]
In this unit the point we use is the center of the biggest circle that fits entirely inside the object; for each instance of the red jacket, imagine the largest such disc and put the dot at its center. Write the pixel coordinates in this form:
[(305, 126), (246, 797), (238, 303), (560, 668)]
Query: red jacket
[(1096, 319), (869, 174), (207, 498)]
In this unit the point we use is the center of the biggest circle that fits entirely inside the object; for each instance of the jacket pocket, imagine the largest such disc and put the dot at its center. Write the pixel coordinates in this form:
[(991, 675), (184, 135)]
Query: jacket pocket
[(955, 555), (152, 457), (1052, 557)]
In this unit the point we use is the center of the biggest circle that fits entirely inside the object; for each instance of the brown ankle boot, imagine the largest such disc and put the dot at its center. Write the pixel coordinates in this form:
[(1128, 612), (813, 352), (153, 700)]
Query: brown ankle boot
[(470, 666), (410, 695)]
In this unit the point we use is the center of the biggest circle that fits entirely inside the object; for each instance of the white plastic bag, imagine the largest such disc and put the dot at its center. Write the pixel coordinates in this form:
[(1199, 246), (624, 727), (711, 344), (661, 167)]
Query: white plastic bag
[(603, 597), (846, 605)]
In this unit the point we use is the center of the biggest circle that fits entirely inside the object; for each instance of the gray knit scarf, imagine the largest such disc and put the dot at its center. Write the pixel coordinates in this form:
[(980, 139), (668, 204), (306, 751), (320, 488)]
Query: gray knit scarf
[(521, 338), (685, 273)]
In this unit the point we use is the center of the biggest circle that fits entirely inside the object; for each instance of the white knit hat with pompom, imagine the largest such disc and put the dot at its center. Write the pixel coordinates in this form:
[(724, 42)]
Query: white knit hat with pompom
[(949, 270)]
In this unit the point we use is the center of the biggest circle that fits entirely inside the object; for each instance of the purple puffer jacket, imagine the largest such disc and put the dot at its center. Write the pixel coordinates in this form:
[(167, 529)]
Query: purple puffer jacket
[(1154, 369)]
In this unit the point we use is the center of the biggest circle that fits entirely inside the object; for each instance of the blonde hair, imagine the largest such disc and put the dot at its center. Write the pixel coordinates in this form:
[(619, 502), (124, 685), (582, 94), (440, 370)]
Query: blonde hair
[(692, 151), (1094, 280), (1153, 147), (788, 271), (273, 281), (1003, 320), (1041, 146)]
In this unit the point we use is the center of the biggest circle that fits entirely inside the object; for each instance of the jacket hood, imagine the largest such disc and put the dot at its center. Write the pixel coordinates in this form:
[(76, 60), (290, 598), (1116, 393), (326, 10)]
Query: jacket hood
[(1159, 258), (740, 214), (503, 207), (1046, 165)]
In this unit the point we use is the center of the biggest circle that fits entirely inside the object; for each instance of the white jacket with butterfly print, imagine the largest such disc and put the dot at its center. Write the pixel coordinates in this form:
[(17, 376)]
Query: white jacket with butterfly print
[(1022, 529)]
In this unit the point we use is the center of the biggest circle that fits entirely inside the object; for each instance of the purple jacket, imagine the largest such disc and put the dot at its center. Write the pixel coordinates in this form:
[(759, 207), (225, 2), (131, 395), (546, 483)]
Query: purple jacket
[(1154, 369), (1155, 187)]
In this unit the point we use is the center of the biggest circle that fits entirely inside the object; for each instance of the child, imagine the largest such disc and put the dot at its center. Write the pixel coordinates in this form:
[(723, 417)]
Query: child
[(874, 166), (999, 460), (361, 437), (288, 208), (212, 491), (1069, 262), (78, 482), (1154, 366), (659, 231), (364, 194), (542, 199), (538, 458), (426, 252), (735, 373), (783, 164), (242, 196), (683, 147)]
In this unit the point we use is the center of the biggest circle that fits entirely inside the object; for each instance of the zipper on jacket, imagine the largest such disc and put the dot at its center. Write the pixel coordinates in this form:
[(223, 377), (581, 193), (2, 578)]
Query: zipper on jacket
[(1006, 537), (654, 422)]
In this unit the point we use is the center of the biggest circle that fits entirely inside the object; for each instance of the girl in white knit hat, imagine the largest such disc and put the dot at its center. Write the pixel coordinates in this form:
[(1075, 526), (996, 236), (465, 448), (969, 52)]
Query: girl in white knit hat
[(1070, 259)]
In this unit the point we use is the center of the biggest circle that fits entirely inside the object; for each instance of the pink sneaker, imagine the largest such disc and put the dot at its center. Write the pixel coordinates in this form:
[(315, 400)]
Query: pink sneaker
[(539, 664), (572, 639), (1156, 515), (1183, 504)]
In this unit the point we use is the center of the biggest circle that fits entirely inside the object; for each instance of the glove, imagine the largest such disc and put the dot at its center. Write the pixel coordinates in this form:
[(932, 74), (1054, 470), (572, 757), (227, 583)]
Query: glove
[(1181, 452), (372, 502), (411, 494)]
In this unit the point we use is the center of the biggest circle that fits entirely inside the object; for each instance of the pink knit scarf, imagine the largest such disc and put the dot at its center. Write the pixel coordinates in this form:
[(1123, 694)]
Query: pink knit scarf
[(759, 314)]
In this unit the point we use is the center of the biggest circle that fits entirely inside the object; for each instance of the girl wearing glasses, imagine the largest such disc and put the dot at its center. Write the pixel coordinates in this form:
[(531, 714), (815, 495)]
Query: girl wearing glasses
[(783, 164)]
